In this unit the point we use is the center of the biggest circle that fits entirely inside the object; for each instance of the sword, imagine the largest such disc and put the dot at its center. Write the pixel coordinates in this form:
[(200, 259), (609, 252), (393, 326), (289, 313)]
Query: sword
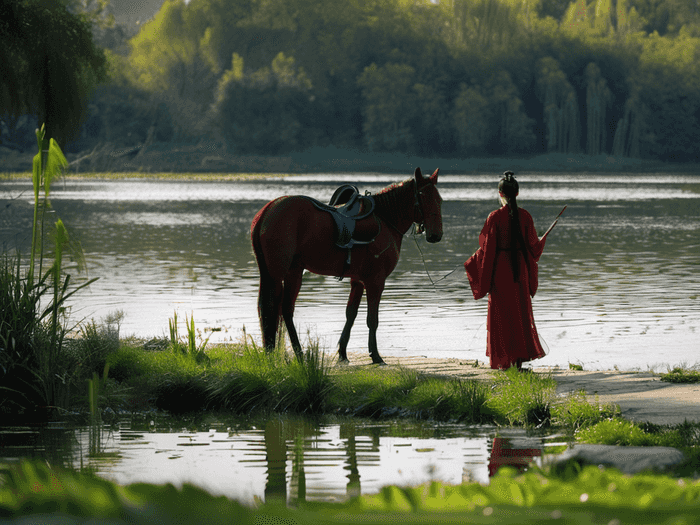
[(553, 224)]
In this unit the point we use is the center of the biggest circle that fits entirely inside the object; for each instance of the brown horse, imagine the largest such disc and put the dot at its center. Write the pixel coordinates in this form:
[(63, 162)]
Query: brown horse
[(290, 234)]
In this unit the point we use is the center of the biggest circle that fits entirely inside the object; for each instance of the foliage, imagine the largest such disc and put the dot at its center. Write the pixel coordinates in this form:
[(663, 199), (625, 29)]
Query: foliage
[(37, 370), (39, 76), (458, 78), (270, 106), (580, 495), (601, 494)]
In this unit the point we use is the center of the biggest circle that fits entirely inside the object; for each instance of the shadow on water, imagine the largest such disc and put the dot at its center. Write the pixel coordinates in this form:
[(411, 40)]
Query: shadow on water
[(284, 460)]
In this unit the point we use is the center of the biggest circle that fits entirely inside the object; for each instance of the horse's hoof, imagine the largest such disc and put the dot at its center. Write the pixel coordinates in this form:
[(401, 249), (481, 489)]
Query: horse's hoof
[(343, 361), (378, 361)]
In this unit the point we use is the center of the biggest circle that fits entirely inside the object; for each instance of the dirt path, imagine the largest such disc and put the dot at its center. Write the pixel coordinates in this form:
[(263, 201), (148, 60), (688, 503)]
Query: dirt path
[(641, 396)]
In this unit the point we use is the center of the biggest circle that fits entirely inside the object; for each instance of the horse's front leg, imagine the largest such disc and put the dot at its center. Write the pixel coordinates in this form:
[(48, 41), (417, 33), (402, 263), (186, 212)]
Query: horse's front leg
[(356, 291), (374, 295)]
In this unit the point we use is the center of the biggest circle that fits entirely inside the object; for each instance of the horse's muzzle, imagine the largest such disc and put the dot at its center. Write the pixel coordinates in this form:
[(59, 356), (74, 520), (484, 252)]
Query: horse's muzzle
[(433, 237)]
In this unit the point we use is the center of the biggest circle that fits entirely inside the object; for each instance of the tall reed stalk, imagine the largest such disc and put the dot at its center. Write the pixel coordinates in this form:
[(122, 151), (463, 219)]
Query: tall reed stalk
[(33, 364)]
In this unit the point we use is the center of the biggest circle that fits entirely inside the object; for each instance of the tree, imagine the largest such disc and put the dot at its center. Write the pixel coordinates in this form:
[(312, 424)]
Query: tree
[(560, 107), (41, 77), (472, 118), (598, 99), (261, 111), (491, 117), (388, 106)]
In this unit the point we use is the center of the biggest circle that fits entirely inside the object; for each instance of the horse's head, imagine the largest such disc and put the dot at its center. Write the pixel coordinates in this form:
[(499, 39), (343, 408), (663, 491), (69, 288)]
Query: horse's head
[(428, 205)]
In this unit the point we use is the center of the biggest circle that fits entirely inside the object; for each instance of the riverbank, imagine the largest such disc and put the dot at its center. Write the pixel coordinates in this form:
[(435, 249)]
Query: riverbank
[(160, 158), (641, 396)]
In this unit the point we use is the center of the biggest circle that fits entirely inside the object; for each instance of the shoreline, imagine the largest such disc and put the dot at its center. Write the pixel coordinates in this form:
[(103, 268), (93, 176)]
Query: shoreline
[(641, 396), (202, 160)]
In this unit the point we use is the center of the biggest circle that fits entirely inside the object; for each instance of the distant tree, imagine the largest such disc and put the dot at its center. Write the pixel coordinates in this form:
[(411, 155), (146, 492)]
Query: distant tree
[(261, 111), (48, 64), (668, 17), (432, 129), (553, 8), (598, 100), (472, 120), (388, 106), (560, 107), (491, 118)]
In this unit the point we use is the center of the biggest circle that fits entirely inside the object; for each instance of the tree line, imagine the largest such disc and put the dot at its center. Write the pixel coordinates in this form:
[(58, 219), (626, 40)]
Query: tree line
[(426, 77)]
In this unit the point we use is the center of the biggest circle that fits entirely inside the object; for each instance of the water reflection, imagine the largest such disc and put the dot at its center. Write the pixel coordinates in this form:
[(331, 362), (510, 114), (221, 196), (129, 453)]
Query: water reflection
[(511, 453), (281, 460)]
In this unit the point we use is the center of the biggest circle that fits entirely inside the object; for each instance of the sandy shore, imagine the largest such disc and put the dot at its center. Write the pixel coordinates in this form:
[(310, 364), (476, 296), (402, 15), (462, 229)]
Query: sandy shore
[(641, 396)]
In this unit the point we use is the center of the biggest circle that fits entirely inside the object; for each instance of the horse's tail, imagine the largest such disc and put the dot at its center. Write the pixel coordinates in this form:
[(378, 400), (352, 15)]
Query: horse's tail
[(269, 301)]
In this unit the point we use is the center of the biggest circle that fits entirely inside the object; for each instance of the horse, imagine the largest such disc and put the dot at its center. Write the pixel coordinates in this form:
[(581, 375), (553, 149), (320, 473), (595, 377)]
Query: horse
[(290, 234)]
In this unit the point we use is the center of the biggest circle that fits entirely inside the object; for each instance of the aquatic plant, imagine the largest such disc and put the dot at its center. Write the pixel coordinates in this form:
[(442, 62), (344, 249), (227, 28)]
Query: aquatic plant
[(189, 347), (36, 370)]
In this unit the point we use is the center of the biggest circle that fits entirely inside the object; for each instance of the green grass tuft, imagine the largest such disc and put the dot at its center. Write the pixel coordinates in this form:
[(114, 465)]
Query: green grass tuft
[(523, 398), (577, 412), (682, 374)]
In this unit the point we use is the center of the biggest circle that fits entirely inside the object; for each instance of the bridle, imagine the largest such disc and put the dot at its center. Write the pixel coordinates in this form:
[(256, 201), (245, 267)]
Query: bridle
[(418, 208)]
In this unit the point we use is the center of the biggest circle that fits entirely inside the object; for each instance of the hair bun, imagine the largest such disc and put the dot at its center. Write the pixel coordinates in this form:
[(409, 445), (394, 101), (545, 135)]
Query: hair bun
[(508, 186)]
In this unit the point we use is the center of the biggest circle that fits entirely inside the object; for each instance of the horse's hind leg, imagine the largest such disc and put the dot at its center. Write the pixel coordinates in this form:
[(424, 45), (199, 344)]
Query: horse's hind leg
[(269, 304), (356, 291), (292, 285)]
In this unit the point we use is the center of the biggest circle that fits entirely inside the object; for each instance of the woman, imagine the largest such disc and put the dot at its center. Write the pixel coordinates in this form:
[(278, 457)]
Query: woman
[(505, 267)]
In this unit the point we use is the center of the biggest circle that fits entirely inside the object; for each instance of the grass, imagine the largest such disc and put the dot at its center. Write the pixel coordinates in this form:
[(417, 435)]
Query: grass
[(244, 379), (576, 412), (524, 398), (682, 374)]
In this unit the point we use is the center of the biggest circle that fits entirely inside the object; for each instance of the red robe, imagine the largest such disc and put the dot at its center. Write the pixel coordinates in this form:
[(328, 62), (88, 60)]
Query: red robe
[(512, 336)]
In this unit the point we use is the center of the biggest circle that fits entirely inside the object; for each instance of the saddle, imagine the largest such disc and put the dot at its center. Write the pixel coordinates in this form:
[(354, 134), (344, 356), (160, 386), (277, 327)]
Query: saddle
[(347, 206)]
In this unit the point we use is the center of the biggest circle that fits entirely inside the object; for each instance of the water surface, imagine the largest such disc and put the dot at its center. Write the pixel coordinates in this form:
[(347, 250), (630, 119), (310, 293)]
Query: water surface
[(280, 459), (619, 280)]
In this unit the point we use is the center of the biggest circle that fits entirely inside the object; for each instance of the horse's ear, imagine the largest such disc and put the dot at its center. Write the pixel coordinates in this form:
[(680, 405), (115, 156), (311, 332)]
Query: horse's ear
[(434, 176), (418, 175)]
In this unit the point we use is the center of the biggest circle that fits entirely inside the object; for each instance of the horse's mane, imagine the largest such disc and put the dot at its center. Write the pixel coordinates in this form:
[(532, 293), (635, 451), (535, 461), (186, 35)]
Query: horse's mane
[(395, 200)]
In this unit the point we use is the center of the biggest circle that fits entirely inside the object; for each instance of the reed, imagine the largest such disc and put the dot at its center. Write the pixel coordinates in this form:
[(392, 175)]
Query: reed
[(189, 346), (36, 372)]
